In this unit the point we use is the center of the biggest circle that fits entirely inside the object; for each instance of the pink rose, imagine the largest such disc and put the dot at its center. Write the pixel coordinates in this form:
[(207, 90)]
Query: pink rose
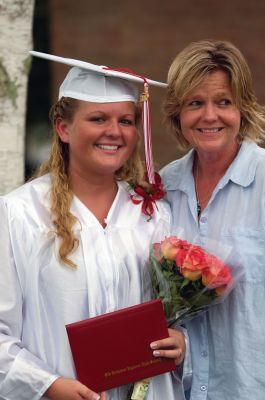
[(157, 251), (170, 247)]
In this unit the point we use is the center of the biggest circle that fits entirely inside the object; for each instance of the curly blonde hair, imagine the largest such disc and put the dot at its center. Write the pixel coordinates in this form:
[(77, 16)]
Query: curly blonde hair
[(192, 65), (61, 193)]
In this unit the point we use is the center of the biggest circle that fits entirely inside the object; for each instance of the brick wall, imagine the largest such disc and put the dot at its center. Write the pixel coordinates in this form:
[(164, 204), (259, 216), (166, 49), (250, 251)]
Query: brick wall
[(145, 35)]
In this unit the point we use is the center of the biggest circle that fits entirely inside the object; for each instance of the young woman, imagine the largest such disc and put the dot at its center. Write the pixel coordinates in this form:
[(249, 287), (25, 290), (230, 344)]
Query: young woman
[(73, 244)]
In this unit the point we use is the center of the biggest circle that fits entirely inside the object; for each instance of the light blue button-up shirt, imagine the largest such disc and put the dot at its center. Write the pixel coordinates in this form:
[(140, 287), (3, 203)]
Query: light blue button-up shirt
[(228, 342)]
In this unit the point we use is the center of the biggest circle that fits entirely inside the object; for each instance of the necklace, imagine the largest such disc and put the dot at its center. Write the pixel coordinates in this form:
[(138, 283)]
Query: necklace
[(206, 190), (199, 209)]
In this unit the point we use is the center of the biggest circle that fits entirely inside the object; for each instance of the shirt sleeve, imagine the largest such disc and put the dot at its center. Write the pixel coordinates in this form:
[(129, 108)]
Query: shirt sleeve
[(22, 375)]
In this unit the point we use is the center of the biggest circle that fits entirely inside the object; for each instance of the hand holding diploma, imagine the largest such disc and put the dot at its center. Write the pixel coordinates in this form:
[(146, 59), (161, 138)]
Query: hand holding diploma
[(71, 389)]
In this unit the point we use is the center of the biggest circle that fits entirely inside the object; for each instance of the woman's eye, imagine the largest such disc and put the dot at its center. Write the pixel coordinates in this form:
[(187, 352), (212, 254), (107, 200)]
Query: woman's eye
[(195, 103), (225, 102), (126, 121), (97, 119)]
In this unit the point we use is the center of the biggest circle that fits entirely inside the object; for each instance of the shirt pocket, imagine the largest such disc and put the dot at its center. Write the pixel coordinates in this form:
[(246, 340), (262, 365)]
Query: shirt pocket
[(248, 246)]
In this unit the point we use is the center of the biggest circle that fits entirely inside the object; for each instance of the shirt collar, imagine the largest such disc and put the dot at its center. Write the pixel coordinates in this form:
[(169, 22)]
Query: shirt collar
[(87, 218), (179, 173), (241, 171)]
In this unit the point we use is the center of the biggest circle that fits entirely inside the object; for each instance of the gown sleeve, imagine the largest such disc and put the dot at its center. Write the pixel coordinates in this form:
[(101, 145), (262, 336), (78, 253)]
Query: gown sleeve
[(22, 375)]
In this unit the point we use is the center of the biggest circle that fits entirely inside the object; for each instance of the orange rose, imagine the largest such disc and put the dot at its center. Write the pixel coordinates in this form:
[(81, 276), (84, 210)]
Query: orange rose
[(217, 276), (193, 263)]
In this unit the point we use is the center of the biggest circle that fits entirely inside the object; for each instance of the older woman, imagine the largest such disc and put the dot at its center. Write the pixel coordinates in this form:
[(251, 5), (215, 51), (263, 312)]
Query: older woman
[(217, 196)]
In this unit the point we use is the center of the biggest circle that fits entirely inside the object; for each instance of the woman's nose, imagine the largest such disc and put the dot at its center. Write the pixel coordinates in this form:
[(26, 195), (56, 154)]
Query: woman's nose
[(113, 128), (209, 113)]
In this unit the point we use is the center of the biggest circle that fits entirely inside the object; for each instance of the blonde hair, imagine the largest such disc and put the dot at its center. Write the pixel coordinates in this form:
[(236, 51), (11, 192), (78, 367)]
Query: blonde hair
[(61, 193), (192, 65)]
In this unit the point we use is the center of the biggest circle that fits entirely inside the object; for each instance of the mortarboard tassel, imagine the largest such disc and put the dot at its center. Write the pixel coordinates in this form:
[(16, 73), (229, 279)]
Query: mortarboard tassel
[(144, 98)]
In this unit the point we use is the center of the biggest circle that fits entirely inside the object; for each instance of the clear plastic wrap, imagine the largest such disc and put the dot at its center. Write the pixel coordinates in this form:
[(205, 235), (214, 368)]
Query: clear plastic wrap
[(187, 278)]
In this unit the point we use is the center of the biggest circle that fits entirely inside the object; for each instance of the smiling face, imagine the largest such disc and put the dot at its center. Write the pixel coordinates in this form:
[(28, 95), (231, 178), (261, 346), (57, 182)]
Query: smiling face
[(101, 137), (209, 117)]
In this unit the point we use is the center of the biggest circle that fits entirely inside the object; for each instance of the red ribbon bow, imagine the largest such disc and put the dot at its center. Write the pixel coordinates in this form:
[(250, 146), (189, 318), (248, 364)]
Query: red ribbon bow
[(149, 197)]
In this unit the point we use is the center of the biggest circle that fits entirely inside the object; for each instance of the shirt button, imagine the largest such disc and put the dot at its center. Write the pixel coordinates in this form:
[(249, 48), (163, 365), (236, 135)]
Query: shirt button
[(204, 354), (203, 388), (203, 220)]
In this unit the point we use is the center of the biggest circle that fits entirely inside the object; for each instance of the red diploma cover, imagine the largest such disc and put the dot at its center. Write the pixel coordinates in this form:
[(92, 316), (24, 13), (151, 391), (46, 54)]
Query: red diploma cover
[(113, 349)]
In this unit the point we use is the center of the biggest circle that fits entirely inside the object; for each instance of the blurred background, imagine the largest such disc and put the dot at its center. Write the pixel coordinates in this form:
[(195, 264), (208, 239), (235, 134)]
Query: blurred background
[(143, 35)]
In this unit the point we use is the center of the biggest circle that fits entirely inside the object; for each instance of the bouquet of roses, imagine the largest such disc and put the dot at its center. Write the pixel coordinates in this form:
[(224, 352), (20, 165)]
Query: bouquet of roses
[(186, 278)]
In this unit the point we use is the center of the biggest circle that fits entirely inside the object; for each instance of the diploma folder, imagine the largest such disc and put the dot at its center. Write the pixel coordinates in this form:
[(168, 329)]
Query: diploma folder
[(113, 349)]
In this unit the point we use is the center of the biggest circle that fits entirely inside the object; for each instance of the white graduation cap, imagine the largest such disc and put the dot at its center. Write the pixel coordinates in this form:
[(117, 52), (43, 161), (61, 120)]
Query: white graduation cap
[(100, 84)]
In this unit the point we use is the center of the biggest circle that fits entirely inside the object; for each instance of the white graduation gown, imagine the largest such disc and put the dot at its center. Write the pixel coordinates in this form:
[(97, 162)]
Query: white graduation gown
[(39, 295)]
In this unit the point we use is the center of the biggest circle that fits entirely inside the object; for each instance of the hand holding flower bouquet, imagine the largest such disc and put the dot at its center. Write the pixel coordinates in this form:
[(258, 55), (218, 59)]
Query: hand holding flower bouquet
[(188, 280)]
